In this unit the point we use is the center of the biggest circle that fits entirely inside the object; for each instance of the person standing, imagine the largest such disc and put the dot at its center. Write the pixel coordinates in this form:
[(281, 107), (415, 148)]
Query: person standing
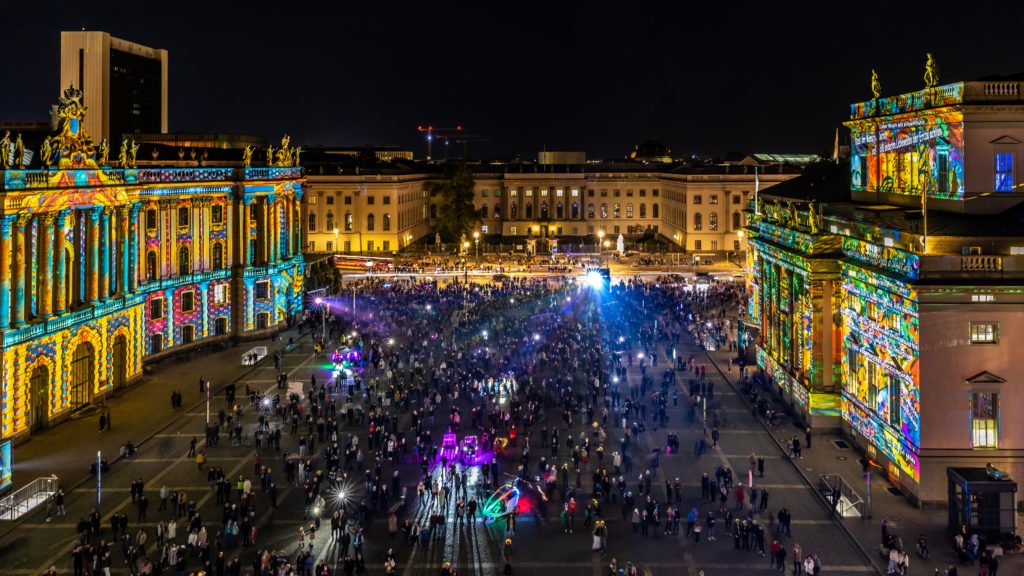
[(798, 561), (103, 421)]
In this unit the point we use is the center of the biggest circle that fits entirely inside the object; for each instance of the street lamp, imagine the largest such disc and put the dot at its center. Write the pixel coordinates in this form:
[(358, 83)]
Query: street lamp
[(325, 308), (476, 240), (600, 243), (336, 241)]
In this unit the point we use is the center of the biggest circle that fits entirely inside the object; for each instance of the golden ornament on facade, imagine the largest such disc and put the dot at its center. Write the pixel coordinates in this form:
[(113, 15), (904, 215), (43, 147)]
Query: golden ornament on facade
[(931, 72)]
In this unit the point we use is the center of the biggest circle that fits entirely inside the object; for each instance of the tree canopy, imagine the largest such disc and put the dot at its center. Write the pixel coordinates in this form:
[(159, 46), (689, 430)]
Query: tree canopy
[(453, 197)]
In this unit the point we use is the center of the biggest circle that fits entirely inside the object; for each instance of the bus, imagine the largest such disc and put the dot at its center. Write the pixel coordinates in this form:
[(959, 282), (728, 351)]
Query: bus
[(352, 263)]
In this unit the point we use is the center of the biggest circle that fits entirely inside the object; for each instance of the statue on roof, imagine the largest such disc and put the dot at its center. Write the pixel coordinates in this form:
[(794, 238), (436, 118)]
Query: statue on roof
[(45, 152), (270, 155), (104, 152), (73, 147), (931, 72), (295, 159), (133, 152), (876, 85), (247, 156), (19, 153), (812, 215), (122, 156), (284, 154), (5, 149)]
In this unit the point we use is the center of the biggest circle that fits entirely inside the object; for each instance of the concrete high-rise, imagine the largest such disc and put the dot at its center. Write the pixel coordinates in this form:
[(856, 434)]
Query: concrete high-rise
[(124, 84)]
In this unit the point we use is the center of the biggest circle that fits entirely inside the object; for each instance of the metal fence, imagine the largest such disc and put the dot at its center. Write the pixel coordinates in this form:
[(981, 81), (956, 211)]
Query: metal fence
[(844, 500), (24, 499)]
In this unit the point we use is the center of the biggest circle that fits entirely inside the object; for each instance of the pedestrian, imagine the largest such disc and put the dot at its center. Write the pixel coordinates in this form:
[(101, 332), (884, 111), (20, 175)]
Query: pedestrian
[(103, 421), (807, 437)]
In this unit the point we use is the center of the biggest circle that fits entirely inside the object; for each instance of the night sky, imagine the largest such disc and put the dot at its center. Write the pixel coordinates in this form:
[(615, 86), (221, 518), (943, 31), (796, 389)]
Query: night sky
[(700, 76)]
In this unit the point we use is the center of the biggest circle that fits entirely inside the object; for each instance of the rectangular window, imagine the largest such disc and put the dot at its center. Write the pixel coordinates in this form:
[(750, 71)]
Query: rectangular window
[(559, 193), (183, 214), (311, 247), (483, 229), (330, 246), (617, 192), (262, 290), (643, 193), (736, 245), (483, 193), (735, 198), (369, 200), (387, 199), (156, 308), (894, 401), (872, 375), (513, 193), (1016, 250), (497, 192), (983, 298), (984, 420), (984, 332), (544, 193), (217, 214), (512, 230), (151, 221), (369, 245), (714, 244), (654, 192), (348, 245), (330, 200), (616, 230), (220, 294), (529, 192), (312, 200), (697, 199), (575, 193), (696, 244), (1004, 171), (188, 301), (713, 199), (590, 192), (348, 200), (387, 245)]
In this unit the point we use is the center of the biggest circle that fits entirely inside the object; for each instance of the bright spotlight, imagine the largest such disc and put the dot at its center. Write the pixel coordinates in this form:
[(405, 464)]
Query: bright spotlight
[(536, 337), (593, 279), (639, 355), (622, 339), (391, 341), (266, 402), (484, 334), (428, 307), (319, 300)]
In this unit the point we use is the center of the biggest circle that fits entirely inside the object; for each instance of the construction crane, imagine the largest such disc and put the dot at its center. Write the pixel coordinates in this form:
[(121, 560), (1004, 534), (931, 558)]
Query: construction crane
[(448, 135)]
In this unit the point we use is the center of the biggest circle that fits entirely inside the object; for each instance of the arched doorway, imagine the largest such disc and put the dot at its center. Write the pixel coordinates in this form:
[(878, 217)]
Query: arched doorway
[(83, 374), (119, 354), (39, 388)]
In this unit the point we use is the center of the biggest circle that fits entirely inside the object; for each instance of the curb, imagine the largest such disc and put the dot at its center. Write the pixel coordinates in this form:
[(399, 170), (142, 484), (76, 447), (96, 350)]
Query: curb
[(118, 458), (820, 499)]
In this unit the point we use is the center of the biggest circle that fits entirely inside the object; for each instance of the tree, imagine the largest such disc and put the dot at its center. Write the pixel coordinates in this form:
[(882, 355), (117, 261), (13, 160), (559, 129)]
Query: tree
[(453, 196)]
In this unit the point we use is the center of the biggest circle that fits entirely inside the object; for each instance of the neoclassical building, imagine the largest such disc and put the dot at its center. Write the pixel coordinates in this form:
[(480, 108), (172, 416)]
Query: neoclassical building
[(104, 265)]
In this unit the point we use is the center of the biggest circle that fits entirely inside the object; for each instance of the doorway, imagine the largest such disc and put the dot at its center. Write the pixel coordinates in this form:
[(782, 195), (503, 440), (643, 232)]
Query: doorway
[(83, 371), (39, 387), (120, 360)]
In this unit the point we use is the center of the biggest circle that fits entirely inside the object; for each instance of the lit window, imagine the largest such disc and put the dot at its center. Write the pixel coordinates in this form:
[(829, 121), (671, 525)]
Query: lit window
[(984, 332), (220, 294), (713, 220), (983, 298), (1004, 172), (1017, 250), (483, 229), (985, 420), (512, 230), (217, 214), (697, 199), (713, 199)]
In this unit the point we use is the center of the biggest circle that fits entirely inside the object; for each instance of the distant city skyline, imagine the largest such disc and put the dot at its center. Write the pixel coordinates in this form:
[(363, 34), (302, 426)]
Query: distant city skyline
[(587, 77)]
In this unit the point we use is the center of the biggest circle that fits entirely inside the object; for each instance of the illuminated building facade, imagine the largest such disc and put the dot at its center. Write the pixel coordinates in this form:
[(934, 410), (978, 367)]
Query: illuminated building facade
[(102, 269), (888, 293)]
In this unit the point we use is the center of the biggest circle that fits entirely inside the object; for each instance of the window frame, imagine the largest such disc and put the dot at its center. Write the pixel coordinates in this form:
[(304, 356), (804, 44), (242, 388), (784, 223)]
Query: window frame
[(1004, 179), (161, 302), (988, 427), (191, 295), (977, 337)]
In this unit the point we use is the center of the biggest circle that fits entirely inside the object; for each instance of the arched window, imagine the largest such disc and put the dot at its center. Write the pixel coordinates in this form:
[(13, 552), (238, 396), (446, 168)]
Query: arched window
[(387, 221), (348, 222), (184, 262), (544, 210), (590, 211), (698, 223), (654, 210), (515, 211), (643, 210), (629, 210), (559, 211), (497, 210), (529, 211), (713, 222), (151, 265), (330, 221), (735, 220), (616, 210), (312, 223), (604, 210), (370, 222), (575, 212), (218, 255), (483, 211)]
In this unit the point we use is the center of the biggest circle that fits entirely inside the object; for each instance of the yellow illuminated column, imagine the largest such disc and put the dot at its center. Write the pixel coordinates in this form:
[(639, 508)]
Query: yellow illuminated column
[(244, 232), (275, 236), (45, 265), (18, 269), (5, 271), (105, 246)]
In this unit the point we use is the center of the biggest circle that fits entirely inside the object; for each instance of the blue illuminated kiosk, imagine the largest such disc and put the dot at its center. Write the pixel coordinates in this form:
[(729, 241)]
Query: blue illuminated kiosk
[(982, 501)]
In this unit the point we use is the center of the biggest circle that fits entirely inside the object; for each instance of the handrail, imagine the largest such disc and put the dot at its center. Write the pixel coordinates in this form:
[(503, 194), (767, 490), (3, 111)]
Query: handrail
[(24, 499)]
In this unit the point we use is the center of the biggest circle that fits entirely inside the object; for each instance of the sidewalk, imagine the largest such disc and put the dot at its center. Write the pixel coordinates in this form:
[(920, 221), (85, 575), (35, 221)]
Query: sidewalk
[(138, 412), (826, 457)]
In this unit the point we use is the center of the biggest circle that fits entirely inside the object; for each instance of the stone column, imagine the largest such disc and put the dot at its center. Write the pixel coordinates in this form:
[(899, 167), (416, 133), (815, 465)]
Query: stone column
[(5, 271), (92, 273), (105, 244), (244, 226), (18, 268), (61, 261), (124, 236), (133, 249), (45, 265)]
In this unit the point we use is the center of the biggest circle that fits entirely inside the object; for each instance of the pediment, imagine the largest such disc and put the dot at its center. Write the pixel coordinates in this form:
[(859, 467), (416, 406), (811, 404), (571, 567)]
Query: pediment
[(1005, 140), (985, 377)]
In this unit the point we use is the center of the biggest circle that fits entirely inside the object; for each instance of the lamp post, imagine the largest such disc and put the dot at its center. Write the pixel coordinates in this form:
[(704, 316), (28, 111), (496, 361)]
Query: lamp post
[(600, 245), (336, 250), (476, 240), (606, 245), (325, 308)]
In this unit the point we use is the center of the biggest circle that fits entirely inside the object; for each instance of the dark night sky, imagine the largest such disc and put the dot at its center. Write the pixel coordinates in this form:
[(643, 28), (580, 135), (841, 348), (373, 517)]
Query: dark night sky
[(594, 76)]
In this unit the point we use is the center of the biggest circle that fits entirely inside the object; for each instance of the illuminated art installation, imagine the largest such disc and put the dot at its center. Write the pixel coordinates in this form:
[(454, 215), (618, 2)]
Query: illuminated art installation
[(102, 267), (503, 501)]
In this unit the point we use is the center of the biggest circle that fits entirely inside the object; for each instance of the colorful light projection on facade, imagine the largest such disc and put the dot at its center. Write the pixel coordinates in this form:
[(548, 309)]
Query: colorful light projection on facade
[(784, 309), (886, 258), (910, 154), (881, 375)]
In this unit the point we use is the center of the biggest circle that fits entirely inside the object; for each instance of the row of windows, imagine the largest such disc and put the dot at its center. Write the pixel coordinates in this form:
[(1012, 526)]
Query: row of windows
[(346, 246), (184, 216), (157, 306), (699, 245), (698, 221), (371, 222), (217, 260), (370, 200)]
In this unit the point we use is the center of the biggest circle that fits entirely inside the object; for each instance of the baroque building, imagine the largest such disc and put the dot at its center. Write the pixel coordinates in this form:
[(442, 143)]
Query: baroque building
[(886, 292), (104, 265)]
